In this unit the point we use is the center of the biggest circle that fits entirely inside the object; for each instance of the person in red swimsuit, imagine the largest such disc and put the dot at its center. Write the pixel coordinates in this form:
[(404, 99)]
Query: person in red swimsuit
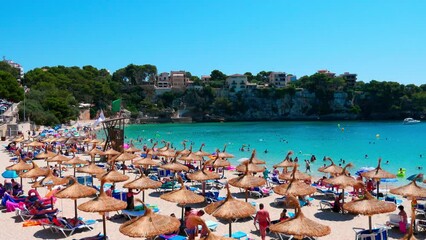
[(262, 217)]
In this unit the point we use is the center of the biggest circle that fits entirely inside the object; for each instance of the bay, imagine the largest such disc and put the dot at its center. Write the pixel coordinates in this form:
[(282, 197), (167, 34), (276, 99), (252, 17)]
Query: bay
[(360, 143)]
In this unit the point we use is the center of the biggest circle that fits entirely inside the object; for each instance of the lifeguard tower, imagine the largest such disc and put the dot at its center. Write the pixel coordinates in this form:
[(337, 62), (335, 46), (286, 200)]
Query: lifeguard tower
[(114, 132)]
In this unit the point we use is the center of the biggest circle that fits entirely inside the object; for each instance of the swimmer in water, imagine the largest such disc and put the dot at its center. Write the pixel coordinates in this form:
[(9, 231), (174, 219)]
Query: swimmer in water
[(266, 150), (387, 162), (419, 167)]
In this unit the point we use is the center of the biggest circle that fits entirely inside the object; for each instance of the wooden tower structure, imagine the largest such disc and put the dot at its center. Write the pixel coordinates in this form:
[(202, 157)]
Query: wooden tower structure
[(114, 132)]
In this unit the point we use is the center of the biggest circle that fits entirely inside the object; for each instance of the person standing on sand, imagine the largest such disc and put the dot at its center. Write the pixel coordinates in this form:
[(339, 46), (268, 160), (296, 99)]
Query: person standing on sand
[(262, 216)]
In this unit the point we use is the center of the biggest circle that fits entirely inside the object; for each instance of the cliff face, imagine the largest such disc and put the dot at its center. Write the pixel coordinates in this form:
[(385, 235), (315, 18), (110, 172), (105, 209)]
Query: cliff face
[(303, 105)]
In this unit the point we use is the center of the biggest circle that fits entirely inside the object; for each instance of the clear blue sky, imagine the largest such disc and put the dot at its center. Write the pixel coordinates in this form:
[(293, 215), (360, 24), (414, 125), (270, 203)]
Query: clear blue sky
[(382, 40)]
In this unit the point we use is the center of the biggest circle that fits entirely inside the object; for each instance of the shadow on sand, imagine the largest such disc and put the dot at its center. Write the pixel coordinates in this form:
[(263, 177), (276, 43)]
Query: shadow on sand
[(332, 216)]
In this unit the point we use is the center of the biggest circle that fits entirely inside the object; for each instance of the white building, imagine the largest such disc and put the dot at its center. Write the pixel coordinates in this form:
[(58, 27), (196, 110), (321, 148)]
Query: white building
[(236, 82), (278, 79), (15, 65)]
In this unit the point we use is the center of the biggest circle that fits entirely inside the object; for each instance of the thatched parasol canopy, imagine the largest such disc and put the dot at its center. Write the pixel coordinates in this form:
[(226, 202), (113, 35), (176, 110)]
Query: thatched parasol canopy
[(191, 157), (167, 151), (91, 169), (342, 180), (203, 175), (247, 181), (49, 181), (369, 206), (252, 167), (410, 190), (58, 158), (175, 166), (143, 182), (125, 157), (224, 154), (217, 162), (253, 159), (95, 151), (378, 173), (103, 204), (47, 154), (298, 175), (111, 152), (95, 141), (286, 163), (184, 151), (132, 149), (145, 161), (332, 168), (295, 187), (35, 172), (113, 176), (230, 209), (76, 161), (75, 190), (20, 166), (35, 144), (149, 225), (202, 153), (300, 226), (182, 196)]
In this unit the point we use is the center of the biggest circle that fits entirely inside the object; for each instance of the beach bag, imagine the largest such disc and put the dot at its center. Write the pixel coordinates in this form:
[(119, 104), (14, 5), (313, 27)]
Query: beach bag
[(402, 227)]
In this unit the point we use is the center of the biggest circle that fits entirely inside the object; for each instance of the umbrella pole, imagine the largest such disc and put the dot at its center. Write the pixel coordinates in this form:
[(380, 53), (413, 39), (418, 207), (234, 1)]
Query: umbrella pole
[(204, 188), (143, 196), (21, 182), (75, 209), (182, 212), (104, 225), (74, 170), (343, 200), (378, 183), (60, 170), (369, 223), (230, 228), (246, 194)]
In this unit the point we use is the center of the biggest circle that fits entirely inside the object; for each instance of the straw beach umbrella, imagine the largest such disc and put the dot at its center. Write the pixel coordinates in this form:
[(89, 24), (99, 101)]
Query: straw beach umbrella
[(143, 183), (300, 226), (175, 166), (377, 174), (369, 206), (111, 153), (230, 209), (224, 154), (254, 159), (147, 161), (202, 176), (251, 166), (75, 191), (298, 175), (247, 181), (202, 153), (91, 169), (332, 168), (113, 176), (76, 161), (20, 166), (49, 181), (102, 204), (124, 157), (149, 225), (342, 180), (191, 156), (44, 155), (286, 163), (132, 150), (35, 172), (184, 151), (182, 196), (413, 191), (295, 187)]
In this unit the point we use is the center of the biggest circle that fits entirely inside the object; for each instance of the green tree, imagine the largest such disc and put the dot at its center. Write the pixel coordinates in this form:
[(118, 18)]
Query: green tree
[(10, 88), (217, 75), (4, 66)]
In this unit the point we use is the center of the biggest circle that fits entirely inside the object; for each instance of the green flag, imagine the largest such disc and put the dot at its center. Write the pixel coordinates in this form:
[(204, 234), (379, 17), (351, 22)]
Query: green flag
[(116, 105)]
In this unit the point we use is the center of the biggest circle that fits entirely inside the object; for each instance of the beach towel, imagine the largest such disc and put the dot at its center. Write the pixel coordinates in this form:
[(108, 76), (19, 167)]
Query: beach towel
[(35, 222), (403, 227)]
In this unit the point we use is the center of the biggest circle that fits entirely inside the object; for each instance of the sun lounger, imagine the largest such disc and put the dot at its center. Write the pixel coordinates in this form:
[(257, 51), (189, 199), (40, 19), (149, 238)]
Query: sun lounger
[(326, 205), (394, 220), (375, 234), (421, 209), (68, 228), (237, 235), (138, 211), (24, 214), (420, 225), (172, 237)]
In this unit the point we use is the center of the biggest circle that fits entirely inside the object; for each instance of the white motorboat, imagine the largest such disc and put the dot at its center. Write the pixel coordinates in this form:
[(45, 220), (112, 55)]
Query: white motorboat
[(411, 121)]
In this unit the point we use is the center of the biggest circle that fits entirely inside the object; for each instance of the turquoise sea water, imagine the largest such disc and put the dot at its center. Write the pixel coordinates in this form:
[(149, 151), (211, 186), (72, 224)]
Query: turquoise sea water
[(401, 145)]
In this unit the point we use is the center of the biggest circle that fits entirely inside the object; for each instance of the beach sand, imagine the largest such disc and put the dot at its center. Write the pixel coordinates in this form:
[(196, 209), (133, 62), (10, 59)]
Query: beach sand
[(341, 225)]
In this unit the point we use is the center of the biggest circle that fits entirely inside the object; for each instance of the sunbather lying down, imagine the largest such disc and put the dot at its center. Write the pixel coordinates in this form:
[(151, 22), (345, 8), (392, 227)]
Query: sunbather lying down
[(35, 211), (61, 222)]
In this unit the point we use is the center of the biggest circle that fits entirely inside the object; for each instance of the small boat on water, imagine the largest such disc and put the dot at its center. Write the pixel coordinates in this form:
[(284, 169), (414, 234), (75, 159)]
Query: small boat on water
[(411, 121)]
